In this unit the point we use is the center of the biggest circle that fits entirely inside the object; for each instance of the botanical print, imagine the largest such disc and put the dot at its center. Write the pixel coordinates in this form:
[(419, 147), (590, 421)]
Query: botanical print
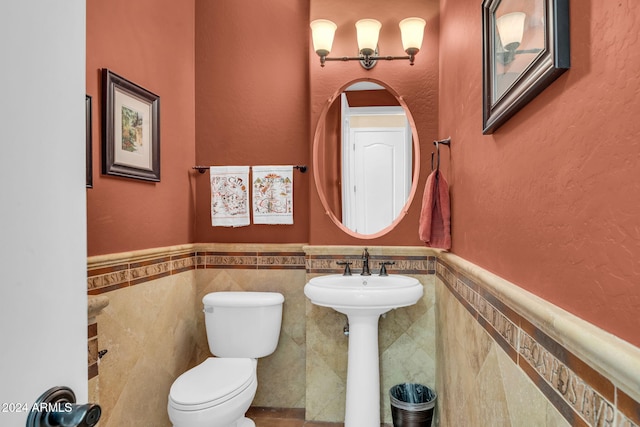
[(228, 196), (131, 129), (272, 194)]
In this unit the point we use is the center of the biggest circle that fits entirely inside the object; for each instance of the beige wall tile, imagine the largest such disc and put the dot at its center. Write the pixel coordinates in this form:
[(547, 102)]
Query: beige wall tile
[(281, 375), (154, 331), (477, 380), (149, 332)]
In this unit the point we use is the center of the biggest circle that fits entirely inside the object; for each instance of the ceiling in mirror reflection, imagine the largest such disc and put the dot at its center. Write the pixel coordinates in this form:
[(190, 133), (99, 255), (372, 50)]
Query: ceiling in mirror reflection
[(364, 85)]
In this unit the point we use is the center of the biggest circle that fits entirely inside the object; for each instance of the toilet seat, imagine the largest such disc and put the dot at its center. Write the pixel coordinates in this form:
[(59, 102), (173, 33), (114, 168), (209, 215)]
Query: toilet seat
[(211, 383)]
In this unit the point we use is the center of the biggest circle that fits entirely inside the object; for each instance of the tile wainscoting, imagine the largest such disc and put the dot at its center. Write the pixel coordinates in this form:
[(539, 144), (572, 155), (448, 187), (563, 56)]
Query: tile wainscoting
[(153, 326), (495, 354), (509, 358)]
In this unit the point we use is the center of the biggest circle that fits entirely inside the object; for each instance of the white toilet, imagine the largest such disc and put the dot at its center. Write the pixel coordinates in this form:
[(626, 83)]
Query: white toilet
[(241, 326)]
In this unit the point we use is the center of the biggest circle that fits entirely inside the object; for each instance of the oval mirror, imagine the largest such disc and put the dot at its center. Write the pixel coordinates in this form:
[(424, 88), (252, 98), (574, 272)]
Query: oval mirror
[(366, 158)]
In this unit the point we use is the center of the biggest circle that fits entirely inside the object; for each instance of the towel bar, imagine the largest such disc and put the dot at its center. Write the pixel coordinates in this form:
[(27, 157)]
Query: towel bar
[(203, 169)]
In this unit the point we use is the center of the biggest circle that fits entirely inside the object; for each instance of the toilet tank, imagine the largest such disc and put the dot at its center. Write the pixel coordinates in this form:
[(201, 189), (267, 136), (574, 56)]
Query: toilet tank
[(243, 324)]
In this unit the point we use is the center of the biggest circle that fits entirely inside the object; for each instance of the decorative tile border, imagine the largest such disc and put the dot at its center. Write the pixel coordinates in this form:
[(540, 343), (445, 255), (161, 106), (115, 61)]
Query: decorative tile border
[(128, 272), (251, 260), (121, 270), (581, 394), (403, 264)]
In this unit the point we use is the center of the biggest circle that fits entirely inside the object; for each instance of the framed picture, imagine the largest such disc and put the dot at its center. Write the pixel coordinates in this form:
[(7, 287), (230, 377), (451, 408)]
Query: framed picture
[(88, 136), (131, 129), (525, 48)]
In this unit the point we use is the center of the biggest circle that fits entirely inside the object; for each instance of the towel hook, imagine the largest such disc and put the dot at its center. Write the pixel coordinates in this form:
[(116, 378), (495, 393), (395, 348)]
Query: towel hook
[(437, 143)]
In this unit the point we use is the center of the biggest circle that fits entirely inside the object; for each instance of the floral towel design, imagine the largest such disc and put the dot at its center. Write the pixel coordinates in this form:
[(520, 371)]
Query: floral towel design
[(229, 196), (273, 194)]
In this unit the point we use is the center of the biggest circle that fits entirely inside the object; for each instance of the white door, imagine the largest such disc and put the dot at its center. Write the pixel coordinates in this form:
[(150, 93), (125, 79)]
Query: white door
[(43, 302), (380, 190), (376, 166)]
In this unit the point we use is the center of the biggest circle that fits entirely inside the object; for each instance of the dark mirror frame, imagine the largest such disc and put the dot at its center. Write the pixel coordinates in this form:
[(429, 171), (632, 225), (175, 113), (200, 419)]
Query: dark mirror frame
[(550, 63)]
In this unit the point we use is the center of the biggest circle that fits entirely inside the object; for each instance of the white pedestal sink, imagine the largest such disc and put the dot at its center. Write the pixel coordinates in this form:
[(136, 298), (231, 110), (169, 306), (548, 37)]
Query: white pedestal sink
[(363, 299)]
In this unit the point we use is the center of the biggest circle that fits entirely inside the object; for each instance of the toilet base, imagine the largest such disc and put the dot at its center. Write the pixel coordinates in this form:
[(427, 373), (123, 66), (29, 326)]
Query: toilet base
[(246, 422)]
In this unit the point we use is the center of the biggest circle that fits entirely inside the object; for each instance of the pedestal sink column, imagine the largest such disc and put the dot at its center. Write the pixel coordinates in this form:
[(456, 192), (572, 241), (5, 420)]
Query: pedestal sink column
[(363, 372)]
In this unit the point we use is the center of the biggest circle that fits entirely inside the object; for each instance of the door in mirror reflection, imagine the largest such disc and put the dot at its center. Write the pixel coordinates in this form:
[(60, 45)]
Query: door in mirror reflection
[(376, 166)]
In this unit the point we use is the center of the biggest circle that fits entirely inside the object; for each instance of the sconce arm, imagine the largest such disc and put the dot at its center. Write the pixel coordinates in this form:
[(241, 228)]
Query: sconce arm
[(367, 59)]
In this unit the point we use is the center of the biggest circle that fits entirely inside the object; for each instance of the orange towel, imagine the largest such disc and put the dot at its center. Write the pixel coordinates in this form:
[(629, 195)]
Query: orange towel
[(435, 218)]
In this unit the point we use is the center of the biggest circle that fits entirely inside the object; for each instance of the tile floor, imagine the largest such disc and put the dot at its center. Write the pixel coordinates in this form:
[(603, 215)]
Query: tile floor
[(283, 417)]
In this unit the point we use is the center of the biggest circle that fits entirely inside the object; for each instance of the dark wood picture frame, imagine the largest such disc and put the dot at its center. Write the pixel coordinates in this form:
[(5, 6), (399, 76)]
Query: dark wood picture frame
[(130, 129), (547, 61), (88, 114)]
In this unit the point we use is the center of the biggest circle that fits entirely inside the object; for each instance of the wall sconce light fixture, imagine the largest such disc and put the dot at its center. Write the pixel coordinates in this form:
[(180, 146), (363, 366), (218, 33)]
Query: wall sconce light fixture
[(368, 30), (510, 32)]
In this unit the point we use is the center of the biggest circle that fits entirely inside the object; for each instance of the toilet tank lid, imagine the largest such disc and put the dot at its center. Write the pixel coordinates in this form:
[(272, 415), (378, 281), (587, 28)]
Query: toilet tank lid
[(242, 299)]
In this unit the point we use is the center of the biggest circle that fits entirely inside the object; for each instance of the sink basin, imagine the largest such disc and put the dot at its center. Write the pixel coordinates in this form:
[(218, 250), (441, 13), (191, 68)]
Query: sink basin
[(373, 294), (363, 299)]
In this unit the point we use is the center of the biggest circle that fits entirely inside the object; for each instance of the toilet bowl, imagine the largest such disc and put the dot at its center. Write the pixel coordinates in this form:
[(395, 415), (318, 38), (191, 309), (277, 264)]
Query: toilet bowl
[(241, 327), (216, 393)]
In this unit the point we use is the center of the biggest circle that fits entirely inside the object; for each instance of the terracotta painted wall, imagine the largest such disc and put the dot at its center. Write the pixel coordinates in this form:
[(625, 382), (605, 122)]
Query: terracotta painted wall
[(417, 84), (550, 201), (151, 43), (252, 105)]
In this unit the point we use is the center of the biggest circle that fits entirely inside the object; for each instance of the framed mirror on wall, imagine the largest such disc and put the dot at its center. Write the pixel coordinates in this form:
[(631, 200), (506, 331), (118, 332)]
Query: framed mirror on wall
[(525, 48), (365, 158)]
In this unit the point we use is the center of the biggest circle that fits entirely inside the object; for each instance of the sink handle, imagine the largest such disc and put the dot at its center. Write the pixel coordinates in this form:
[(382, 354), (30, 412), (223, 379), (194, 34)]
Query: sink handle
[(383, 268), (347, 269)]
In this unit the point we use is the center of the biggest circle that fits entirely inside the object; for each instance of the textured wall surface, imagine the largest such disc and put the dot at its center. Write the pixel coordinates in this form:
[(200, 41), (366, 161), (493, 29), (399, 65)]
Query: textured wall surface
[(150, 43), (549, 200), (546, 202), (252, 104)]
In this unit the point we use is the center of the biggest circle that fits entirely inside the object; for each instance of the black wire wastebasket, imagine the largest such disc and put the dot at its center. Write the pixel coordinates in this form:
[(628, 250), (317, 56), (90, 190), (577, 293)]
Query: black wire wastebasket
[(412, 405)]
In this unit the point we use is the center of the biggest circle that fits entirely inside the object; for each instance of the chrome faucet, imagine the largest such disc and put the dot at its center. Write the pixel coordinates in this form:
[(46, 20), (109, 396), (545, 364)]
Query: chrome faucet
[(365, 263)]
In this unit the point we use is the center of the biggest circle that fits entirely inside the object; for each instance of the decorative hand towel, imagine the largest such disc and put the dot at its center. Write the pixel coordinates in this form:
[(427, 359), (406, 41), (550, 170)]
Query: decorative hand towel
[(272, 194), (435, 218), (229, 196)]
